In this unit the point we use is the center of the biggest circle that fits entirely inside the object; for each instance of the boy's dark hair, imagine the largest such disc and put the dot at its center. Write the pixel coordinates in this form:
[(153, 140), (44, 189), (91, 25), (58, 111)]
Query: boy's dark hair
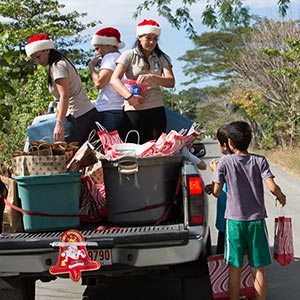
[(240, 134), (222, 136)]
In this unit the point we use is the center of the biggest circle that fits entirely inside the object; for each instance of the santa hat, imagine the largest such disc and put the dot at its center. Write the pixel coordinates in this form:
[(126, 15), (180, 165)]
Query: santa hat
[(37, 43), (147, 27), (108, 36)]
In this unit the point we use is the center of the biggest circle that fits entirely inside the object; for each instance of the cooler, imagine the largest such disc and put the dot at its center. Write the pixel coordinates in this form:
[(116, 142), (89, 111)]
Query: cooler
[(139, 189), (50, 202)]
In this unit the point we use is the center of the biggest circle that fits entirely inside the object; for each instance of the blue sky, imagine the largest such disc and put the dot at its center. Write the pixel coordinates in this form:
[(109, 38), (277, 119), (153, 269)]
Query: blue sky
[(118, 13)]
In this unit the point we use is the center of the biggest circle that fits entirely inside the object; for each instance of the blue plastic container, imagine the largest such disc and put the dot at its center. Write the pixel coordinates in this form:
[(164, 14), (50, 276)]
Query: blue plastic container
[(50, 194), (42, 130)]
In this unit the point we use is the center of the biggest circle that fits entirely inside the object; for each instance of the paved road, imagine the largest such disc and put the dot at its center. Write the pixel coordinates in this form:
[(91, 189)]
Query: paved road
[(283, 282)]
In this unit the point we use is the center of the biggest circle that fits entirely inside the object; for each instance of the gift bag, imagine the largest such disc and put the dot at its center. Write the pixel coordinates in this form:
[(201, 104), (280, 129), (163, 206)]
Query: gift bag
[(283, 240), (30, 165), (11, 216), (108, 139), (92, 202), (95, 171), (84, 157), (219, 275)]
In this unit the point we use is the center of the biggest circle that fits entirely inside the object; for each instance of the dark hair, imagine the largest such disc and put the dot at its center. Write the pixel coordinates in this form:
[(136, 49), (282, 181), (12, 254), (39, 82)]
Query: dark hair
[(240, 133), (156, 50), (55, 56), (222, 136)]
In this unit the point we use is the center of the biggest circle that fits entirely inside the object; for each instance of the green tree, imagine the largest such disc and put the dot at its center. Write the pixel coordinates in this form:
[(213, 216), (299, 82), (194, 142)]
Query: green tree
[(269, 67), (213, 54), (24, 86), (290, 54), (217, 13)]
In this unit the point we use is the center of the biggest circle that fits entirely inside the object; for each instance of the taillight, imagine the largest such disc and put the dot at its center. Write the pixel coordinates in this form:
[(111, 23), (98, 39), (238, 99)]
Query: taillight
[(196, 200), (195, 186)]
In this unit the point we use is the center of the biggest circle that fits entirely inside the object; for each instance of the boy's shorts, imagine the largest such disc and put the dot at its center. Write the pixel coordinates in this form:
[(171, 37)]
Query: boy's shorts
[(249, 236)]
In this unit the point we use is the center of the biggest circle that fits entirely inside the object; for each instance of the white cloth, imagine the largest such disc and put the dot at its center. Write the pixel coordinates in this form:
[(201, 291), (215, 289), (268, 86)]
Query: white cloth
[(190, 156)]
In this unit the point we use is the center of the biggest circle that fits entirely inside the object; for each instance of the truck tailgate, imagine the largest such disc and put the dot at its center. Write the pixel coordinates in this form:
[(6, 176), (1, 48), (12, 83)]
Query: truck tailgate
[(107, 237)]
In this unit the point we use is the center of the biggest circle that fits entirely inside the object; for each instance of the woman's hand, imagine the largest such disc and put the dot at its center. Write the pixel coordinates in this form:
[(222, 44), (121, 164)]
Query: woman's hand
[(144, 78), (136, 100), (58, 133), (94, 62)]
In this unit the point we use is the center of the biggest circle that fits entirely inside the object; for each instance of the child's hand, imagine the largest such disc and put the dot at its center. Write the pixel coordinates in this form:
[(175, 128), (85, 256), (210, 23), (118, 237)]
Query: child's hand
[(282, 199), (213, 165), (209, 188)]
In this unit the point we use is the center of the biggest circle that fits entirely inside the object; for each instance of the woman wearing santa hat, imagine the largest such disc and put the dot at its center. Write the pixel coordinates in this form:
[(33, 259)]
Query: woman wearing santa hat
[(145, 64), (107, 42), (75, 114)]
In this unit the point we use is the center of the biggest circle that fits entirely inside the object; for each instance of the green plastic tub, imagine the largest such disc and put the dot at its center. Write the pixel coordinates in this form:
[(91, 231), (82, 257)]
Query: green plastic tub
[(52, 201)]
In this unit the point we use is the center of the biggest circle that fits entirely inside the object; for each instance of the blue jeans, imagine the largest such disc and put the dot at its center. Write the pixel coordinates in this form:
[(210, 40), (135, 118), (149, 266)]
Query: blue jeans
[(79, 129), (111, 119)]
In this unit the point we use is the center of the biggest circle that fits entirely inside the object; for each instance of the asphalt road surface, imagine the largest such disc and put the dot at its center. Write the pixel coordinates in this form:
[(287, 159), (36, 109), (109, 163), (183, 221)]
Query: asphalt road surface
[(283, 282)]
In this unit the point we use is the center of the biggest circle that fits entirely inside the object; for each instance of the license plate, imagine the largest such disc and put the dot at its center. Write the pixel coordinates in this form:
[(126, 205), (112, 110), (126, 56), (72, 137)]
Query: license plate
[(103, 256)]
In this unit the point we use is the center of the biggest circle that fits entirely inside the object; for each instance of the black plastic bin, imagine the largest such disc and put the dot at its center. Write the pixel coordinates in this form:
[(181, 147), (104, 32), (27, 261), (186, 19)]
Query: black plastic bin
[(139, 188)]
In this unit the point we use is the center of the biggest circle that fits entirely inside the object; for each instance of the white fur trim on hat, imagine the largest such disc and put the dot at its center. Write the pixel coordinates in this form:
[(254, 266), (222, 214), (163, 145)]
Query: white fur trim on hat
[(38, 46), (147, 29), (105, 40)]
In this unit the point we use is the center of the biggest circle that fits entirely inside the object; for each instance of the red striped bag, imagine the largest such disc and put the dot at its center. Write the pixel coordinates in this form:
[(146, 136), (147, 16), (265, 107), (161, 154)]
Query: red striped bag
[(92, 202), (219, 275), (283, 240)]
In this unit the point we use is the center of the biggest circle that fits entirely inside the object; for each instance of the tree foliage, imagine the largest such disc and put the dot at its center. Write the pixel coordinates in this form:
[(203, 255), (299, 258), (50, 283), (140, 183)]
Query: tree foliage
[(217, 13), (268, 70), (24, 92), (212, 55)]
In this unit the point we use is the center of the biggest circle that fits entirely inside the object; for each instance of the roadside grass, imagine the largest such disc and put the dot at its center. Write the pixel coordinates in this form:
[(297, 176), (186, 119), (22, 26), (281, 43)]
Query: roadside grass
[(287, 159)]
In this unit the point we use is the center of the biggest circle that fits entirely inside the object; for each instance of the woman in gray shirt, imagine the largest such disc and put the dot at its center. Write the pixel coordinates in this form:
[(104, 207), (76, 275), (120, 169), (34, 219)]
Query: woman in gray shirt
[(148, 66), (75, 114)]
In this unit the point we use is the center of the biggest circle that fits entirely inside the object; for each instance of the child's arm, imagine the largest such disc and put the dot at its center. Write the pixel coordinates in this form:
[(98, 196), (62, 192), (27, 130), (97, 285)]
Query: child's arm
[(217, 189), (275, 190)]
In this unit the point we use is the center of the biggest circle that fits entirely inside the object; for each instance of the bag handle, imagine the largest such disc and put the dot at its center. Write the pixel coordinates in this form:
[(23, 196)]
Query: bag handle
[(38, 148), (137, 133), (281, 209), (182, 131), (100, 126), (196, 126), (94, 144)]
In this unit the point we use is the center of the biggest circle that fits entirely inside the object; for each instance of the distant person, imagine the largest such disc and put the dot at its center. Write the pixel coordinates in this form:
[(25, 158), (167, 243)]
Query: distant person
[(244, 174), (107, 42), (75, 114), (150, 69), (221, 201)]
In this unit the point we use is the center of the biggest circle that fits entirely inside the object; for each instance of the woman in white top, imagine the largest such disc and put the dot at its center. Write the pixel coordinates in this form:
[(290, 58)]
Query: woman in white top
[(75, 114), (147, 65), (107, 42)]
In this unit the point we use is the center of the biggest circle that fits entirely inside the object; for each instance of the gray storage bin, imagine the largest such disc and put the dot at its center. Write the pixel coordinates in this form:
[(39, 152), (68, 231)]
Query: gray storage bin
[(134, 184)]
